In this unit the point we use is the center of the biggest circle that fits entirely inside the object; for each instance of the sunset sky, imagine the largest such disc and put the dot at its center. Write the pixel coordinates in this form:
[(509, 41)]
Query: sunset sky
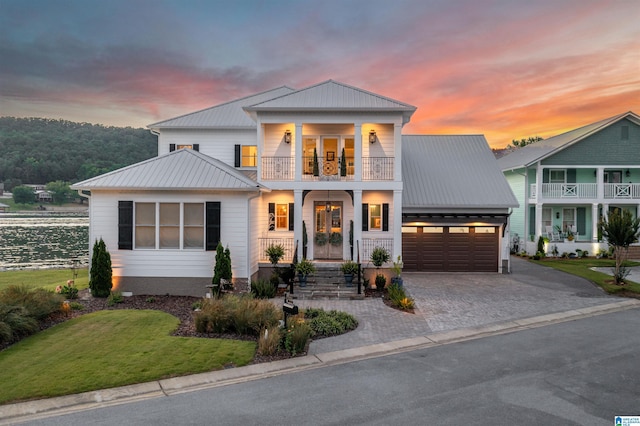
[(506, 69)]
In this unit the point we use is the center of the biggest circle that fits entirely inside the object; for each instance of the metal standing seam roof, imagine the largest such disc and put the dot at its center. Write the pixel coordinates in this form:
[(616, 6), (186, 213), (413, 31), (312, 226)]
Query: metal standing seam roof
[(183, 169), (530, 154), (229, 115), (332, 95), (456, 171)]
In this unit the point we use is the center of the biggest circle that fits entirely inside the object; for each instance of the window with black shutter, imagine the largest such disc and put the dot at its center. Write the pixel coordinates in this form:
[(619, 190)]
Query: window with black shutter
[(213, 225), (237, 156), (125, 225), (365, 217), (172, 147)]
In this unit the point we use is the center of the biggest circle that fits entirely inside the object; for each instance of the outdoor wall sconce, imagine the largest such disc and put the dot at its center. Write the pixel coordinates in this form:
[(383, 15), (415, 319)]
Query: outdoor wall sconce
[(557, 215), (627, 173), (287, 136), (372, 136)]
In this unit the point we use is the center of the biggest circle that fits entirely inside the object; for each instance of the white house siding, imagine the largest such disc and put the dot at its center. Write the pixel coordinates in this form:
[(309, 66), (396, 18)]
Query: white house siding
[(518, 218), (216, 143), (174, 271)]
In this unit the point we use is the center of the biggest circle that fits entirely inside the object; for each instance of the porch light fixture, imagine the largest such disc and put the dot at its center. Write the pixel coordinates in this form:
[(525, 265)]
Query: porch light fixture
[(627, 173), (557, 215), (287, 136), (327, 205), (372, 136)]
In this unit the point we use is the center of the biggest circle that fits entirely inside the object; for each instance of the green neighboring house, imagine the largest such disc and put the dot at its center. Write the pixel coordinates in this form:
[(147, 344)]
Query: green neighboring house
[(567, 183)]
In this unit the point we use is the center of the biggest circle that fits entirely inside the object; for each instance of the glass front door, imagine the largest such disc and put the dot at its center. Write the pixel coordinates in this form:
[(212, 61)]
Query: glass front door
[(327, 239)]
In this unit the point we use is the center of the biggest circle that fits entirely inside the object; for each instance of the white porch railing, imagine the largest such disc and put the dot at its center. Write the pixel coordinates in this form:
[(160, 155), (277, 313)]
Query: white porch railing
[(565, 190), (377, 168), (325, 169), (622, 191), (368, 244), (278, 168), (287, 243)]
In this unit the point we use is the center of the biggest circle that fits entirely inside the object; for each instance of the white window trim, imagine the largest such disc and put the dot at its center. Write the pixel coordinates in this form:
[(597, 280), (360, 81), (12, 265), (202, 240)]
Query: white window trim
[(157, 227), (371, 228), (286, 227)]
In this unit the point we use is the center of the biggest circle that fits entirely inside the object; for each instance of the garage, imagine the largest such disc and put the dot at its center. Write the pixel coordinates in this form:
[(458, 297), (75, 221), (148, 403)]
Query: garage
[(450, 248)]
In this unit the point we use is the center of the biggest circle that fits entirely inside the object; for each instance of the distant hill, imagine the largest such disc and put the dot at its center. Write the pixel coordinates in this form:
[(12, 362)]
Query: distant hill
[(42, 150)]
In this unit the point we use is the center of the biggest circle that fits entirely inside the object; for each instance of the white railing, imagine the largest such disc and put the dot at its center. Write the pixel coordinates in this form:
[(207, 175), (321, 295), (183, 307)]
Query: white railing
[(368, 244), (287, 243), (278, 168), (377, 168), (565, 190), (622, 191)]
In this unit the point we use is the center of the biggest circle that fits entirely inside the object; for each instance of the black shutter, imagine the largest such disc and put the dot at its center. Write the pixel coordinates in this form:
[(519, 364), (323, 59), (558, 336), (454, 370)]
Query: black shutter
[(365, 217), (571, 175), (385, 217), (581, 215), (125, 225), (291, 216), (213, 225), (172, 147), (545, 175), (196, 147), (272, 216), (532, 220), (237, 157)]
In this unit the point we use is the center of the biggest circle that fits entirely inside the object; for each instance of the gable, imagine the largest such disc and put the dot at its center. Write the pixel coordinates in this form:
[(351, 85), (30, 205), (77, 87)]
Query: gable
[(603, 147)]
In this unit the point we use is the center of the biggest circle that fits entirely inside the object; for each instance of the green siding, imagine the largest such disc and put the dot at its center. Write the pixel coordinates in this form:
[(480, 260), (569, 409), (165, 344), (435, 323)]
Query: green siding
[(517, 183), (604, 147)]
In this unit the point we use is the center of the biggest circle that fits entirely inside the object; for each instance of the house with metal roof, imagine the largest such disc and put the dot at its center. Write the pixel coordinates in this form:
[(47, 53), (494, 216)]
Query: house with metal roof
[(323, 171), (566, 184)]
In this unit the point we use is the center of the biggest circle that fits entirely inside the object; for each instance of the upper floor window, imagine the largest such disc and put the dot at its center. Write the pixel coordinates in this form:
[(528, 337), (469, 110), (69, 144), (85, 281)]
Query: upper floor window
[(557, 176), (249, 156), (173, 147), (612, 176)]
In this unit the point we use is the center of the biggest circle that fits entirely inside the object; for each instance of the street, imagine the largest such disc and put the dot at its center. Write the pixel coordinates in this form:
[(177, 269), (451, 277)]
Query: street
[(581, 372)]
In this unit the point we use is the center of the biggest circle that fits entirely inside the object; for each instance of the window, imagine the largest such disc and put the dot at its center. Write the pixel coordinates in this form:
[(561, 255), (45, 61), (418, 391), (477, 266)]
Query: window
[(249, 156), (485, 230), (557, 176), (179, 226), (612, 176), (546, 218), (282, 217), (375, 217), (458, 229), (184, 146), (568, 219)]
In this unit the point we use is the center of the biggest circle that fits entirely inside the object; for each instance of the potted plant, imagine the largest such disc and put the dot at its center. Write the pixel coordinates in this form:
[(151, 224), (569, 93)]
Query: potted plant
[(570, 236), (380, 256), (275, 252), (349, 268), (397, 270), (304, 268)]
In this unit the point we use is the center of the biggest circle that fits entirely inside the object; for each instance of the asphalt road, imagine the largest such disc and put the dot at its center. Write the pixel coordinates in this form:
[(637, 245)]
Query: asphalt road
[(581, 372)]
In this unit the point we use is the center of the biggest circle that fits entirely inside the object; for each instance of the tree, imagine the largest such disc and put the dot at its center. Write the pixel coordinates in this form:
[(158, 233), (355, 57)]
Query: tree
[(620, 230), (60, 191), (222, 268), (23, 195), (100, 279), (524, 142)]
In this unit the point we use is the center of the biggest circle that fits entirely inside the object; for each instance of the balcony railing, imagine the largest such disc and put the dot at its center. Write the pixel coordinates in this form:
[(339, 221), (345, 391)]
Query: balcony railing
[(287, 243), (586, 191), (368, 244), (622, 191), (327, 169)]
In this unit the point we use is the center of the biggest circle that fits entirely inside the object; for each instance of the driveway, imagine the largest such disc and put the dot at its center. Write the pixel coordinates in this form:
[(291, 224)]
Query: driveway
[(449, 301)]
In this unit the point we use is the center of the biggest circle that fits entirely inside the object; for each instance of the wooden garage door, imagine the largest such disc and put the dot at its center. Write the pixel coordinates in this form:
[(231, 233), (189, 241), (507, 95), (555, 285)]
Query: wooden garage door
[(455, 248)]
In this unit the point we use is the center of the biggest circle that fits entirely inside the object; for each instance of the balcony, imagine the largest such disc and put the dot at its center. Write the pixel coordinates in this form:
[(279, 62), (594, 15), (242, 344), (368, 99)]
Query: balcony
[(586, 191), (325, 169)]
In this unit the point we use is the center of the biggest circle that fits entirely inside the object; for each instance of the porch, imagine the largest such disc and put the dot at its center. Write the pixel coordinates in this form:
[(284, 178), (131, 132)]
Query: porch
[(327, 169), (586, 191), (368, 244)]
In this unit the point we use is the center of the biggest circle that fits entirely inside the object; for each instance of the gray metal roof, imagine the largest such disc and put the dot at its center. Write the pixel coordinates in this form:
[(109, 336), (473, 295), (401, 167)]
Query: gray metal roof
[(456, 171), (183, 169), (229, 115), (531, 154), (332, 95)]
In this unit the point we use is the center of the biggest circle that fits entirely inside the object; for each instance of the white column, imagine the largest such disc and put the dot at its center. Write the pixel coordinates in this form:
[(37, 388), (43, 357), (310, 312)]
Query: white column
[(600, 183), (260, 149), (605, 211), (538, 221), (357, 152), (357, 222), (538, 230), (397, 162), (397, 224), (298, 156), (297, 220), (594, 222)]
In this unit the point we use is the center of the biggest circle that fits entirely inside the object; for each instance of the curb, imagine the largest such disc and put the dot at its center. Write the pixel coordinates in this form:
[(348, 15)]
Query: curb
[(31, 410)]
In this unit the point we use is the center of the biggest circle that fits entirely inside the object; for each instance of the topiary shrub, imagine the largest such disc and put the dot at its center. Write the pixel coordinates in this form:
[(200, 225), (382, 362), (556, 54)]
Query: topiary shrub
[(100, 278)]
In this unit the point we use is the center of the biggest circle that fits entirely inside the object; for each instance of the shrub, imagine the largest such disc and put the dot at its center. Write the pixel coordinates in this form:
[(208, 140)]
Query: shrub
[(540, 244), (379, 256), (269, 341), (114, 297), (76, 306), (331, 323), (38, 302), (15, 322), (239, 314), (296, 336), (263, 289), (222, 269), (69, 291), (100, 279), (399, 298), (214, 317)]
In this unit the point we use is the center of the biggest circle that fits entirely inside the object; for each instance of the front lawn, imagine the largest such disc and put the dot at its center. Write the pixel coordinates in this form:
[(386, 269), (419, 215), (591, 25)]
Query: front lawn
[(48, 279), (107, 349), (582, 268)]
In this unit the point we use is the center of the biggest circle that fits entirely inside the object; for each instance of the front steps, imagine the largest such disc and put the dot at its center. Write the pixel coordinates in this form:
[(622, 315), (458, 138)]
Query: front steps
[(327, 283)]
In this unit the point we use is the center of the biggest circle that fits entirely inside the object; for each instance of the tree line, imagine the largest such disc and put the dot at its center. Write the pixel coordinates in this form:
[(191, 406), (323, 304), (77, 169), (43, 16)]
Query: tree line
[(42, 150)]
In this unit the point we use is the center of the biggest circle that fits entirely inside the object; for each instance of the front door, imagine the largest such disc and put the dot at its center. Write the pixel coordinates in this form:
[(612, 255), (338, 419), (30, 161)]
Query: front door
[(327, 240)]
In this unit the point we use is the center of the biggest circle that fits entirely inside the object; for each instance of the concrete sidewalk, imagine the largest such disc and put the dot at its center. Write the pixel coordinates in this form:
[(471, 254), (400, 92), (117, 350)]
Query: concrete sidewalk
[(450, 308)]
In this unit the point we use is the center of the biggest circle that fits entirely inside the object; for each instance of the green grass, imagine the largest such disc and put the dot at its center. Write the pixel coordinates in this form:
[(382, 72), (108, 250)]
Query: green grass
[(581, 268), (107, 349), (45, 278)]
